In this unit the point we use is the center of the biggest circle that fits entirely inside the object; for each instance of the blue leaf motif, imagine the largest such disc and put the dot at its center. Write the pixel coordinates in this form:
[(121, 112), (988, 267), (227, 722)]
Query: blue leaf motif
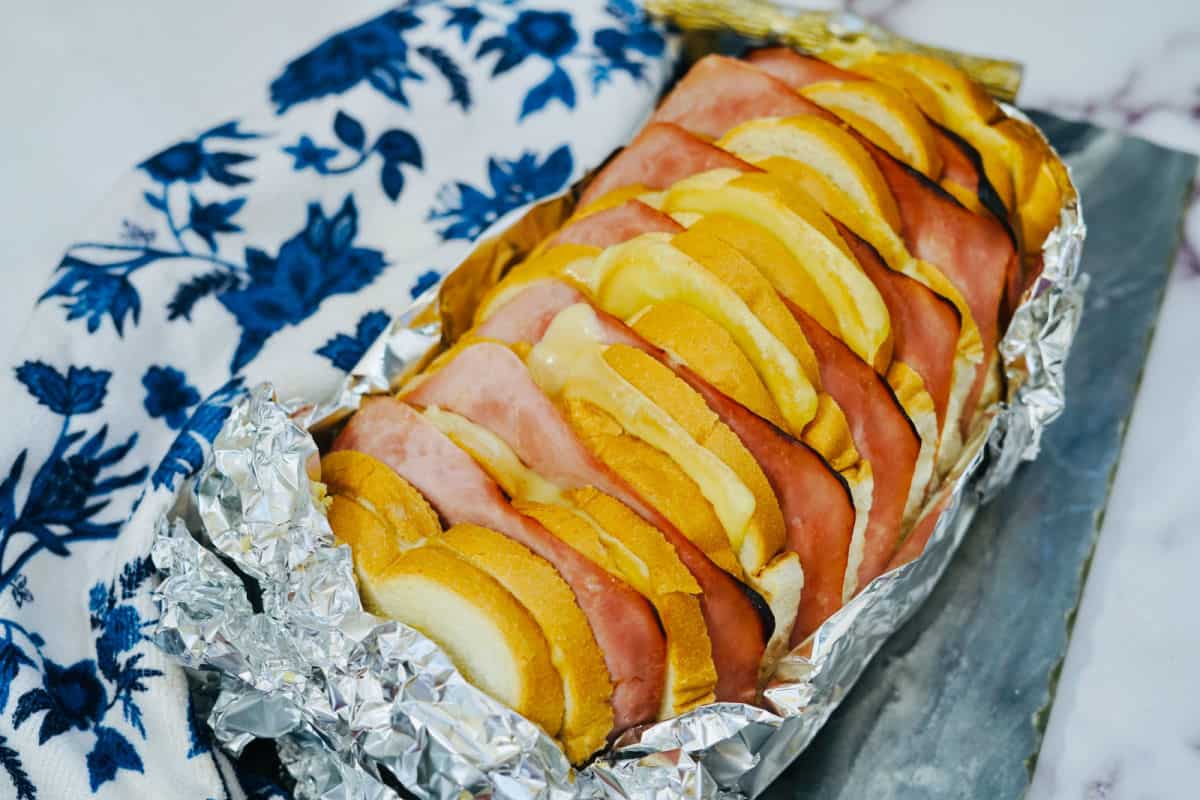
[(511, 54), (344, 351), (11, 761), (399, 147), (8, 490), (424, 281), (186, 453), (111, 752), (194, 290), (12, 658), (209, 219), (189, 161), (349, 130), (392, 179), (460, 88), (80, 391), (557, 85), (316, 263), (465, 18)]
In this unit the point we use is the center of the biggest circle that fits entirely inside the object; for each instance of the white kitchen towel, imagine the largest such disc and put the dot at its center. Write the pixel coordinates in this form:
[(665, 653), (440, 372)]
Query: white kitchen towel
[(271, 246)]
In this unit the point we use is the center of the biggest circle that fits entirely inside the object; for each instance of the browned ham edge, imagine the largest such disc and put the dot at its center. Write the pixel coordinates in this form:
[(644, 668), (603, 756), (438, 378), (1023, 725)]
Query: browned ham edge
[(882, 433), (625, 626), (661, 155), (925, 325), (914, 544), (817, 505), (615, 225)]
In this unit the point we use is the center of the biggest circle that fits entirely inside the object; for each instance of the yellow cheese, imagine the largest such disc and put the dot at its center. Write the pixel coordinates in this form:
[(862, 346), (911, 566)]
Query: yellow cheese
[(648, 269), (569, 362), (830, 287)]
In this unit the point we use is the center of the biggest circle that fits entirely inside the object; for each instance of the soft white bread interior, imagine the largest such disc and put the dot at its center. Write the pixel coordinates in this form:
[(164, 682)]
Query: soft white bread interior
[(489, 635), (586, 684)]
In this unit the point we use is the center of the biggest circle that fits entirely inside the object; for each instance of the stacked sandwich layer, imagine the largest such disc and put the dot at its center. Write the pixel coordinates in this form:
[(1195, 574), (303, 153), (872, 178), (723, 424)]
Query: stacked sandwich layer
[(710, 408)]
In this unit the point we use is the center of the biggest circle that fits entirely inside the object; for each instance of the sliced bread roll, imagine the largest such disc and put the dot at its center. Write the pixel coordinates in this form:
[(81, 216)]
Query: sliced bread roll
[(490, 636), (586, 688), (389, 525)]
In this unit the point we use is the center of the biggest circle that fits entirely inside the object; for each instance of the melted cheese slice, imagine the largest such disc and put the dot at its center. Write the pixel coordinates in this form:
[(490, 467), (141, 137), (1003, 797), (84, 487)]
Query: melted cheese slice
[(648, 269), (569, 362), (831, 286)]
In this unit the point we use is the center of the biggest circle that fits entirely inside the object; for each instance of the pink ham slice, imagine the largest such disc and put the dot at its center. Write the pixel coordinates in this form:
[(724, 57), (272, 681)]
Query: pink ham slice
[(488, 384), (925, 325), (661, 155), (817, 506), (718, 93), (526, 316), (818, 509), (798, 70), (615, 225), (623, 622), (882, 432)]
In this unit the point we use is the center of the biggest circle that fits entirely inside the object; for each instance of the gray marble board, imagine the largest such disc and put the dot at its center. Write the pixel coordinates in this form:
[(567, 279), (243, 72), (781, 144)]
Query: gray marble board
[(955, 704)]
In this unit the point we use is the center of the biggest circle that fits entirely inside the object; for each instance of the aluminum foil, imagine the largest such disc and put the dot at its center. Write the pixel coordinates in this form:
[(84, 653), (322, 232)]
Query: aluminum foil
[(256, 590)]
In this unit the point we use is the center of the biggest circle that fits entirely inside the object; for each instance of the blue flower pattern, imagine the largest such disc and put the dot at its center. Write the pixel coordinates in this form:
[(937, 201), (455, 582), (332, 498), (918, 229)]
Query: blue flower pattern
[(83, 695), (513, 183), (193, 258)]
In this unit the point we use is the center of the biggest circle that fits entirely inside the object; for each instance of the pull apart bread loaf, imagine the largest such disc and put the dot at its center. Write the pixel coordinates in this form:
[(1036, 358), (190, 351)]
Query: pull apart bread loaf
[(717, 402)]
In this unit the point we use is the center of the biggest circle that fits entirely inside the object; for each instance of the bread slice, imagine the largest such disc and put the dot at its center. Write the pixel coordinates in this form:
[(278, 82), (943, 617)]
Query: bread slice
[(829, 284), (655, 476), (586, 686), (489, 635), (884, 115), (710, 351), (377, 488)]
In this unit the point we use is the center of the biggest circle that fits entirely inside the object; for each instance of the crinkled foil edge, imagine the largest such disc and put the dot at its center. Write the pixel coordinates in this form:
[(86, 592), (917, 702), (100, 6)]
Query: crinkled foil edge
[(256, 589)]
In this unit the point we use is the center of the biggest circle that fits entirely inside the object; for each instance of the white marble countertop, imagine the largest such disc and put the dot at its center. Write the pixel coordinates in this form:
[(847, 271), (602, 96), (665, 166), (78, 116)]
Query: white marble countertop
[(90, 89)]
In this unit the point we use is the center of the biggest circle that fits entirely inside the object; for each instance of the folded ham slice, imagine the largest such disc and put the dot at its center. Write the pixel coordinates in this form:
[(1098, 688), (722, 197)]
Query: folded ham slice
[(661, 155), (623, 622), (817, 506), (615, 225), (488, 384), (925, 325), (882, 432)]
